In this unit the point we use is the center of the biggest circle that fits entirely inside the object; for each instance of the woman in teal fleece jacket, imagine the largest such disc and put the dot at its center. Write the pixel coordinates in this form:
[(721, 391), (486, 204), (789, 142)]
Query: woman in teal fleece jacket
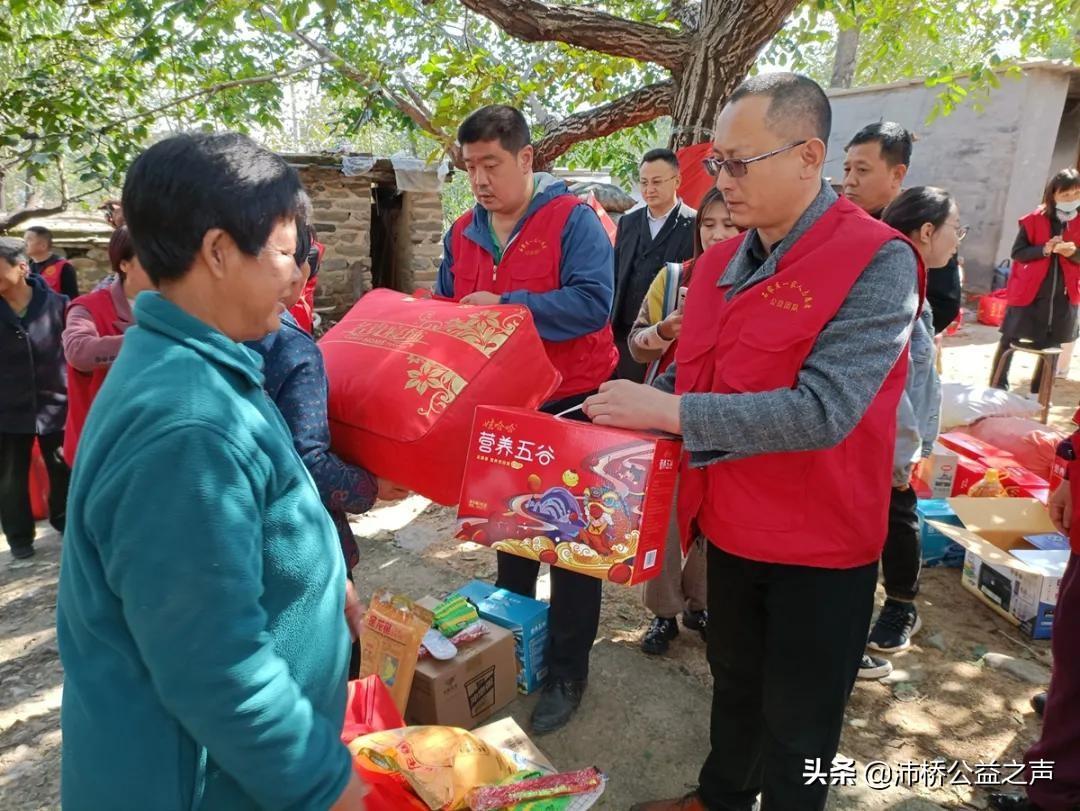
[(201, 607)]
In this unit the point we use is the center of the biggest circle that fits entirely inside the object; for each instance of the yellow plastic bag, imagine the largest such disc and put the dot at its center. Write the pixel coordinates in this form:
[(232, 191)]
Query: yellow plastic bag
[(441, 764)]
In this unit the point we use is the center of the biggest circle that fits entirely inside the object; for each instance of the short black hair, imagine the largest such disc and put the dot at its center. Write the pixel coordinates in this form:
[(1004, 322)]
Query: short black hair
[(499, 122), (12, 250), (665, 155), (183, 186), (1065, 180), (917, 206), (41, 231), (797, 105), (894, 140)]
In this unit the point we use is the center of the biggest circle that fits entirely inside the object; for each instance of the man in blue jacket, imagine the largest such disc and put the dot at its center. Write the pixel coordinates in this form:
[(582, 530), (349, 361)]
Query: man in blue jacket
[(529, 241)]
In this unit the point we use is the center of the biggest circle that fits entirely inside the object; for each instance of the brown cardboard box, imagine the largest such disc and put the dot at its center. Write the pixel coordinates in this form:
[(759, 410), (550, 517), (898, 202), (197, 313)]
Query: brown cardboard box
[(468, 689)]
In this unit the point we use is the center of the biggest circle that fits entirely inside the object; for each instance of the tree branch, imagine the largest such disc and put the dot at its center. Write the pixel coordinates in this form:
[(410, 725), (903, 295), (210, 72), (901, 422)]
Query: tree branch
[(416, 114), (217, 88), (533, 21), (636, 107), (16, 218)]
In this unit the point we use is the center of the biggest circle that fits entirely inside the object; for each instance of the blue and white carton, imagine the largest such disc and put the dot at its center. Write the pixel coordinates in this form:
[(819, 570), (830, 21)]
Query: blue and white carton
[(1001, 568), (526, 618)]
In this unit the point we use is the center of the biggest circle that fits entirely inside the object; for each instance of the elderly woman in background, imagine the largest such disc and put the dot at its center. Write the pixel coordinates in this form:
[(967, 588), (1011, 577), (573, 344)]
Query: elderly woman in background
[(94, 332), (201, 615), (33, 395)]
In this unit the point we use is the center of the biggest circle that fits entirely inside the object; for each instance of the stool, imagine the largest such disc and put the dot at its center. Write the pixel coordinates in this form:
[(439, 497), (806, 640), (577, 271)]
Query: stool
[(1049, 357)]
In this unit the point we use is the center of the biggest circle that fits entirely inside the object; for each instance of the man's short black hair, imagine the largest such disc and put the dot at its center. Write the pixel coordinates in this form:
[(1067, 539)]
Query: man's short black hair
[(41, 231), (496, 122), (182, 187), (798, 107), (665, 155), (894, 140), (12, 250)]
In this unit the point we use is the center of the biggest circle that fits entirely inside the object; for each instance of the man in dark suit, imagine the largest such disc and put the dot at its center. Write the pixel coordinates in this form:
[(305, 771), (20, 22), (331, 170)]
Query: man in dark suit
[(660, 231)]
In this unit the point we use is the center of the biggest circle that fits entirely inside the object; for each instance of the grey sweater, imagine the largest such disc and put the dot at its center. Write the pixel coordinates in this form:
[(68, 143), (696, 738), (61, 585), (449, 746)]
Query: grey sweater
[(839, 379)]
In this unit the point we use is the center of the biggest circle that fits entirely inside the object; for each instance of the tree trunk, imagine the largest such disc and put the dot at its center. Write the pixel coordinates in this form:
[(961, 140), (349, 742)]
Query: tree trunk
[(847, 51), (706, 65), (722, 53)]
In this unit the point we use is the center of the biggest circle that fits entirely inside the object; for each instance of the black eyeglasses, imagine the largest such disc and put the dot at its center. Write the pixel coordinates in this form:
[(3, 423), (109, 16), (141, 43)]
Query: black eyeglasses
[(737, 166)]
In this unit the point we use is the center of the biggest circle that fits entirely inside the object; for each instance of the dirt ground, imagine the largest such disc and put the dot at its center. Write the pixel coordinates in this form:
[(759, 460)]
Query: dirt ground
[(644, 720)]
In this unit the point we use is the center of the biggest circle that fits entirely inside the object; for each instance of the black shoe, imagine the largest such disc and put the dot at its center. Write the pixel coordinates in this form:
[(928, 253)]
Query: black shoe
[(22, 552), (659, 636), (1011, 802), (1038, 703), (557, 705), (894, 627), (696, 621), (871, 667)]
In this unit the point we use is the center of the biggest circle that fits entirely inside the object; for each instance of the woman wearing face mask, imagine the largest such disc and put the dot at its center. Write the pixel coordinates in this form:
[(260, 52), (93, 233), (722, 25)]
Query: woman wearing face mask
[(1044, 286), (680, 587)]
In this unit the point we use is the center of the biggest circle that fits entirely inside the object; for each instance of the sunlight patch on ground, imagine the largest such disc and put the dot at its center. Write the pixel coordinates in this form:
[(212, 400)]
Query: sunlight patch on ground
[(389, 517)]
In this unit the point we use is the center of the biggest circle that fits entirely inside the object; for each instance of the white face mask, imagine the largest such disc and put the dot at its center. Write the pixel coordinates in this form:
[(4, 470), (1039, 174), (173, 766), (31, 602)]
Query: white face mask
[(1067, 211)]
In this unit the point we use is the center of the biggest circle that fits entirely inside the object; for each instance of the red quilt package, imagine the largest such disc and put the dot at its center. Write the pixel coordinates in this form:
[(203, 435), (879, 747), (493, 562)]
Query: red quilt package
[(407, 374)]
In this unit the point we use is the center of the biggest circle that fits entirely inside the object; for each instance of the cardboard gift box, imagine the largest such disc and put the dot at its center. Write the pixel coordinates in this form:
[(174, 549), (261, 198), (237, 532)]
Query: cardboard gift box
[(1002, 568), (937, 472), (971, 447), (525, 618), (1018, 481), (937, 548), (591, 499), (468, 689), (406, 375)]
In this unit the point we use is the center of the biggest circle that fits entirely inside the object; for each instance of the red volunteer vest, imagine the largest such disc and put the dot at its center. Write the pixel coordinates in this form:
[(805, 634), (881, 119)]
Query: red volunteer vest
[(825, 508), (533, 262), (304, 309), (83, 386), (51, 273), (1026, 277)]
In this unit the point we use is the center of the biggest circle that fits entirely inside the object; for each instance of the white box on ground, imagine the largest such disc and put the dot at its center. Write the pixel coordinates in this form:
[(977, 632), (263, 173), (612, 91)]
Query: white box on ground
[(938, 471), (1003, 570)]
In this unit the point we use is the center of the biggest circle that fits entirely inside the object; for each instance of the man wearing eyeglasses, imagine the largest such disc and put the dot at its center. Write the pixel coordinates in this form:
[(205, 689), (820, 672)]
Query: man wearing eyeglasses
[(660, 231), (785, 387)]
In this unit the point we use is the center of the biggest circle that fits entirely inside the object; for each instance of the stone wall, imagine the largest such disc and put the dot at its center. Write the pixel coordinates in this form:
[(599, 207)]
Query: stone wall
[(342, 215), (418, 238), (90, 260)]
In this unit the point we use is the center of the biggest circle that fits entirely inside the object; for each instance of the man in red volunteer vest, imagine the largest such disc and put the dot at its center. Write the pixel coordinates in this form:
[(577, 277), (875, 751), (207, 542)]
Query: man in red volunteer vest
[(57, 271), (529, 241), (785, 387)]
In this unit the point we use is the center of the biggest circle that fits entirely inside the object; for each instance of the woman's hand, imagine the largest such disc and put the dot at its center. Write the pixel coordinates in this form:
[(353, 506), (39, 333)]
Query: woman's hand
[(1060, 507), (354, 611), (670, 328), (1066, 249), (1051, 245), (388, 491)]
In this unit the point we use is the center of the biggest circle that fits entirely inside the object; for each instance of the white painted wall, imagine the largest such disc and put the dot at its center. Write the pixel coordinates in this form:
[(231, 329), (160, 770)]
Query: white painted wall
[(996, 162)]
